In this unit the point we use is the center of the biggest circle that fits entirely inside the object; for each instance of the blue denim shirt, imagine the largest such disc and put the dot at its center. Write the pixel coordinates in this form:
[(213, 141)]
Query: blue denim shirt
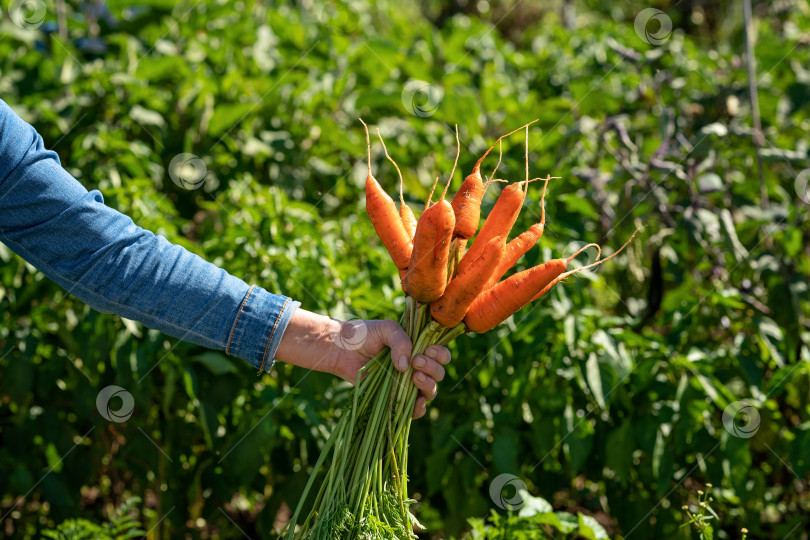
[(102, 258)]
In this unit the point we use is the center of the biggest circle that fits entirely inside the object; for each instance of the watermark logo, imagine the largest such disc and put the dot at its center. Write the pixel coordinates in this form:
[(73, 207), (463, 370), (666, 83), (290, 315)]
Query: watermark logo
[(500, 492), (421, 98), (343, 19), (27, 14), (653, 26), (121, 414), (802, 187), (187, 171), (588, 255), (741, 419), (351, 335)]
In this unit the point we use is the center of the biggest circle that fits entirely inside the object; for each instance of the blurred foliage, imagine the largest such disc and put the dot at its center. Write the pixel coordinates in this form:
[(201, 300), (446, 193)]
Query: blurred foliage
[(120, 526), (606, 399), (535, 520)]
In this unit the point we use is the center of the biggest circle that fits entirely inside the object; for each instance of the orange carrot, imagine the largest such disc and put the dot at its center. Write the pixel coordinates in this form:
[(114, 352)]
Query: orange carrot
[(498, 223), (430, 265), (547, 288), (515, 249), (586, 267), (405, 212), (467, 200), (426, 277), (450, 309), (402, 280), (518, 246), (495, 305), (383, 215), (408, 219), (561, 277)]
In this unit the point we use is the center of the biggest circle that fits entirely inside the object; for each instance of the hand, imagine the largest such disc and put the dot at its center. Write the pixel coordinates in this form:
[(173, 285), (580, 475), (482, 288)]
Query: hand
[(360, 341), (342, 348)]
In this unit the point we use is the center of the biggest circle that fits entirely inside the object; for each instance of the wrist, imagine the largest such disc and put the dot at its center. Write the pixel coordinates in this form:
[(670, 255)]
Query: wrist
[(309, 341)]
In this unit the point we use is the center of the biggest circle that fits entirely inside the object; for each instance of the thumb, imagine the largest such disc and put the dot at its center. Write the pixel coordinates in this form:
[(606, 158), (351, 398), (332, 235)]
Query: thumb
[(391, 334)]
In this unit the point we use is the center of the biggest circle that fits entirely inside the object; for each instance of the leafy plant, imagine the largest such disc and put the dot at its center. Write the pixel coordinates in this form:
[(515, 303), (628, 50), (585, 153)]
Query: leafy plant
[(700, 519), (535, 521), (605, 410), (120, 526)]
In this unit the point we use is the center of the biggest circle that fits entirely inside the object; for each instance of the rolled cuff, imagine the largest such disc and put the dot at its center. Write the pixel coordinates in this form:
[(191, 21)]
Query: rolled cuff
[(259, 326)]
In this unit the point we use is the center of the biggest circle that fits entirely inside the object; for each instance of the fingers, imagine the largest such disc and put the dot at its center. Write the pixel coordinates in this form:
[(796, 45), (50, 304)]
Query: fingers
[(429, 370), (426, 385), (429, 367), (420, 407), (438, 353), (392, 335)]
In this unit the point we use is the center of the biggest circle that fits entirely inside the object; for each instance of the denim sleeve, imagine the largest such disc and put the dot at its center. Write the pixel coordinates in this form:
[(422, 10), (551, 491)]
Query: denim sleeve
[(102, 258)]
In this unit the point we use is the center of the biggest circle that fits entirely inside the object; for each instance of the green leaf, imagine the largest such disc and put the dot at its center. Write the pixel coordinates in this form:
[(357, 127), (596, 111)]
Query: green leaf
[(21, 480), (505, 450), (594, 377), (730, 233), (568, 522), (590, 528), (771, 337), (533, 505), (191, 384), (619, 447), (162, 67), (376, 98), (146, 117), (797, 451), (227, 116), (217, 363), (53, 458), (578, 205), (710, 182), (579, 439), (548, 518)]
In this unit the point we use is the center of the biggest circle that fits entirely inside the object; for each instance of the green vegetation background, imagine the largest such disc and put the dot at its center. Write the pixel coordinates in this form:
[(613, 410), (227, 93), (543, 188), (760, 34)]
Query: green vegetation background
[(606, 398)]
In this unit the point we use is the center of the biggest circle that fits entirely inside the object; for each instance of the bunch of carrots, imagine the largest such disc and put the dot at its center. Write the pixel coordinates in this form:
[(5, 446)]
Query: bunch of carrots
[(450, 290)]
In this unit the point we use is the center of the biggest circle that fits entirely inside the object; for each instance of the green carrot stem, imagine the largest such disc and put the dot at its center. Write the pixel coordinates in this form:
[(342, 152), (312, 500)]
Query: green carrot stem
[(329, 442), (366, 451), (366, 466)]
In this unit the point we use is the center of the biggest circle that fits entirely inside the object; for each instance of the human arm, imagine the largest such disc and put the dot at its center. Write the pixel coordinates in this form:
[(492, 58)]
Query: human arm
[(317, 342), (100, 256)]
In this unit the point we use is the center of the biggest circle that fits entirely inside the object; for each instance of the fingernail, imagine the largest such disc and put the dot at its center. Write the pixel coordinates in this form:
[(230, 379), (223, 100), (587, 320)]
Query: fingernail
[(419, 361), (421, 377), (431, 352), (403, 362)]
